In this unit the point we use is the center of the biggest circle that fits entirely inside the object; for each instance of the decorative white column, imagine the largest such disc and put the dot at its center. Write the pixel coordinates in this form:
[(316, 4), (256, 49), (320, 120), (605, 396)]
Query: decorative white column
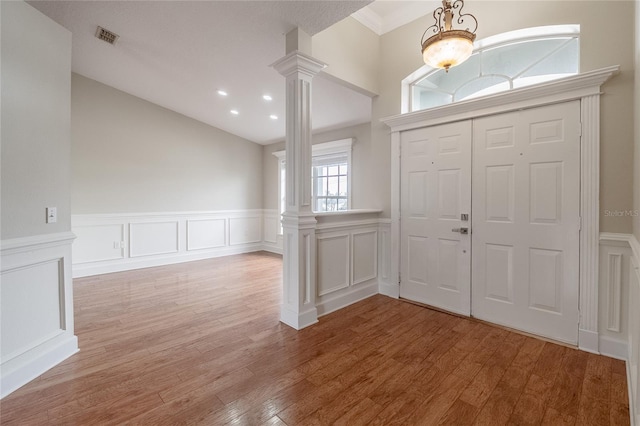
[(590, 227), (298, 308)]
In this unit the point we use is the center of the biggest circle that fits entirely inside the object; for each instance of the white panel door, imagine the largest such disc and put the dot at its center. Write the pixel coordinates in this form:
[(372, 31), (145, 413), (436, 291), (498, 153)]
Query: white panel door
[(526, 189), (436, 190)]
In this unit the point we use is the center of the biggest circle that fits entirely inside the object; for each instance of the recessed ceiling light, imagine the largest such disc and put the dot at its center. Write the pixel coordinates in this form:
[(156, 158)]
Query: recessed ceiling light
[(234, 112), (267, 97), (273, 117), (222, 93)]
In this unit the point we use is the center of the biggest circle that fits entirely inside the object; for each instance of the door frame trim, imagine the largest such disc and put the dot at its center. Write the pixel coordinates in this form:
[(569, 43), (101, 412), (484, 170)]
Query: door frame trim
[(585, 87)]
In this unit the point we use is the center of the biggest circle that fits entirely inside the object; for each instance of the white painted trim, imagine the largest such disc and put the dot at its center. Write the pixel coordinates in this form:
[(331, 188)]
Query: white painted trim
[(635, 248), (373, 276), (344, 225), (633, 373), (590, 214), (394, 279), (346, 280), (128, 264), (588, 341), (49, 349), (151, 216), (347, 212), (610, 238), (614, 348), (24, 371), (562, 90), (369, 19), (391, 290), (22, 244), (298, 320), (128, 259), (634, 412), (403, 14), (614, 287), (357, 294)]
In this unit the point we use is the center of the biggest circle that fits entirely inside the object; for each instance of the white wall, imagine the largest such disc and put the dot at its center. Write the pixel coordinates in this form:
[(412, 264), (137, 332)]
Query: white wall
[(36, 294), (401, 56), (129, 155)]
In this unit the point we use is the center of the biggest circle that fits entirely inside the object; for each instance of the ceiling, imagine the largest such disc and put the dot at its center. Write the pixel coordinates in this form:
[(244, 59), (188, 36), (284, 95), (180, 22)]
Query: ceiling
[(383, 16), (178, 54)]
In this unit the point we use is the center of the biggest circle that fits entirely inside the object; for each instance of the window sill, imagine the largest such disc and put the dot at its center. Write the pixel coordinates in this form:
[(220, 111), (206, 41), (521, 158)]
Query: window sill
[(347, 212)]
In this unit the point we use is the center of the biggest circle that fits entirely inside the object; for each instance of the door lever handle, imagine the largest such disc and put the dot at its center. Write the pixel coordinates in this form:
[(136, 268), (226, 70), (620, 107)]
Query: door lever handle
[(463, 231)]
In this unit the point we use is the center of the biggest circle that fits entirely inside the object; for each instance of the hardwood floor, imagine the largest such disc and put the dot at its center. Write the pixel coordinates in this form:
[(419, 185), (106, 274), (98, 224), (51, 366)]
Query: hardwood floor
[(200, 343)]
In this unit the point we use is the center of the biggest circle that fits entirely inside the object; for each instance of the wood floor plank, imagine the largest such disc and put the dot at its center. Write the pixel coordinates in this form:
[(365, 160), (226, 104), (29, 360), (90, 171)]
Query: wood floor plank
[(201, 343)]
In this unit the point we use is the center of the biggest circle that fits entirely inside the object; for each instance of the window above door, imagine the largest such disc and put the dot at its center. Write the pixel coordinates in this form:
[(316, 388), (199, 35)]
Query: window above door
[(503, 62)]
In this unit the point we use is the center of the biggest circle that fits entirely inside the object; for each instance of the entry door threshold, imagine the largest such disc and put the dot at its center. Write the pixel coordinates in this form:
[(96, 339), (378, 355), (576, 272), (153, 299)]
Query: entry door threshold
[(472, 318)]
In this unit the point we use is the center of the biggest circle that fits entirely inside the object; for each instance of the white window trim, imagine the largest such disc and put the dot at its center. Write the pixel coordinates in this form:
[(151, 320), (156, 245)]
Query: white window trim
[(337, 147), (484, 44)]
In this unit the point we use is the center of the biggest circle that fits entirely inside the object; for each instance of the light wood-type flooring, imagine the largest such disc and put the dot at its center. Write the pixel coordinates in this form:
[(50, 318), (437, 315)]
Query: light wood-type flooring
[(200, 343)]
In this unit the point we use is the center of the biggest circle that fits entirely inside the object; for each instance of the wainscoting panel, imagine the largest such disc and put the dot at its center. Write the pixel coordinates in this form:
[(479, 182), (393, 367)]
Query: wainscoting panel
[(152, 238), (36, 332), (615, 257), (333, 262), (272, 234), (347, 259), (364, 256), (243, 230), (206, 233), (39, 318), (84, 251), (120, 241), (270, 229)]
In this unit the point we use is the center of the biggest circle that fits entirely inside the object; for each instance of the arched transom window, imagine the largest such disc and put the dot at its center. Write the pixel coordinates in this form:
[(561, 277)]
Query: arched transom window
[(502, 62)]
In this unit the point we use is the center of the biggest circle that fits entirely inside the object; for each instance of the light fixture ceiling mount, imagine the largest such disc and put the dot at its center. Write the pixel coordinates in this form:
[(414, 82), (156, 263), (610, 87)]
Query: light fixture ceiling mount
[(446, 47)]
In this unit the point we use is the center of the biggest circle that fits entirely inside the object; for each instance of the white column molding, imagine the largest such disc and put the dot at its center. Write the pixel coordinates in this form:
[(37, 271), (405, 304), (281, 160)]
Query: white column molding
[(298, 304), (395, 215), (590, 229), (614, 286)]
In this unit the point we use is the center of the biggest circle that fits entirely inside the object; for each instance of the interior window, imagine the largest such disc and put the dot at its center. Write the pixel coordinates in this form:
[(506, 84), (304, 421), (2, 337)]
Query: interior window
[(503, 62), (330, 176)]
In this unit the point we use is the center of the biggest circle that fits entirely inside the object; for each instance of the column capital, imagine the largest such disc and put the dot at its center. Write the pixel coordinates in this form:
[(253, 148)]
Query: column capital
[(296, 63)]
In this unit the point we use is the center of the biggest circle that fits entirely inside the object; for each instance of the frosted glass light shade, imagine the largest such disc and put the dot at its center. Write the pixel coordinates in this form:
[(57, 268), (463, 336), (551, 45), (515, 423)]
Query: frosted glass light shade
[(448, 49)]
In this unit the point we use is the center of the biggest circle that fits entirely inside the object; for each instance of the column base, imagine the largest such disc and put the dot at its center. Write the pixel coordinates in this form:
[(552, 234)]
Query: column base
[(298, 320)]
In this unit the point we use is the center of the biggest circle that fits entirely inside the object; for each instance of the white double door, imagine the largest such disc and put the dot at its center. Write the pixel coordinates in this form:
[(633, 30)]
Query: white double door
[(516, 177)]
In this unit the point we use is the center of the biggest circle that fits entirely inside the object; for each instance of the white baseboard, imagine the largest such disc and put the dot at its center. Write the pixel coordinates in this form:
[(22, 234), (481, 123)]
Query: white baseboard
[(89, 269), (271, 248), (588, 341), (21, 370), (634, 411), (361, 292), (614, 348), (391, 290), (300, 320)]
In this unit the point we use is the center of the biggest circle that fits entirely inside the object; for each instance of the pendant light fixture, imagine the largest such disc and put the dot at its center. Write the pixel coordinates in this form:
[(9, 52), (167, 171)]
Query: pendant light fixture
[(446, 47)]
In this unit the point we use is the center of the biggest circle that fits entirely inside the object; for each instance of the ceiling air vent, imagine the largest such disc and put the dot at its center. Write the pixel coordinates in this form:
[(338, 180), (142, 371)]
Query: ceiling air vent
[(106, 35)]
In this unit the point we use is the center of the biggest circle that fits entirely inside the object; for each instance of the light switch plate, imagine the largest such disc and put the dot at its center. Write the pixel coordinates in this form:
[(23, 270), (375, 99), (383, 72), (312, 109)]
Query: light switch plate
[(52, 214)]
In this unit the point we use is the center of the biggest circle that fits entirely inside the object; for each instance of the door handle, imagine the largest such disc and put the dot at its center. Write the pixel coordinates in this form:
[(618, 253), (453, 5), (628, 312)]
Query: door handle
[(463, 231)]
